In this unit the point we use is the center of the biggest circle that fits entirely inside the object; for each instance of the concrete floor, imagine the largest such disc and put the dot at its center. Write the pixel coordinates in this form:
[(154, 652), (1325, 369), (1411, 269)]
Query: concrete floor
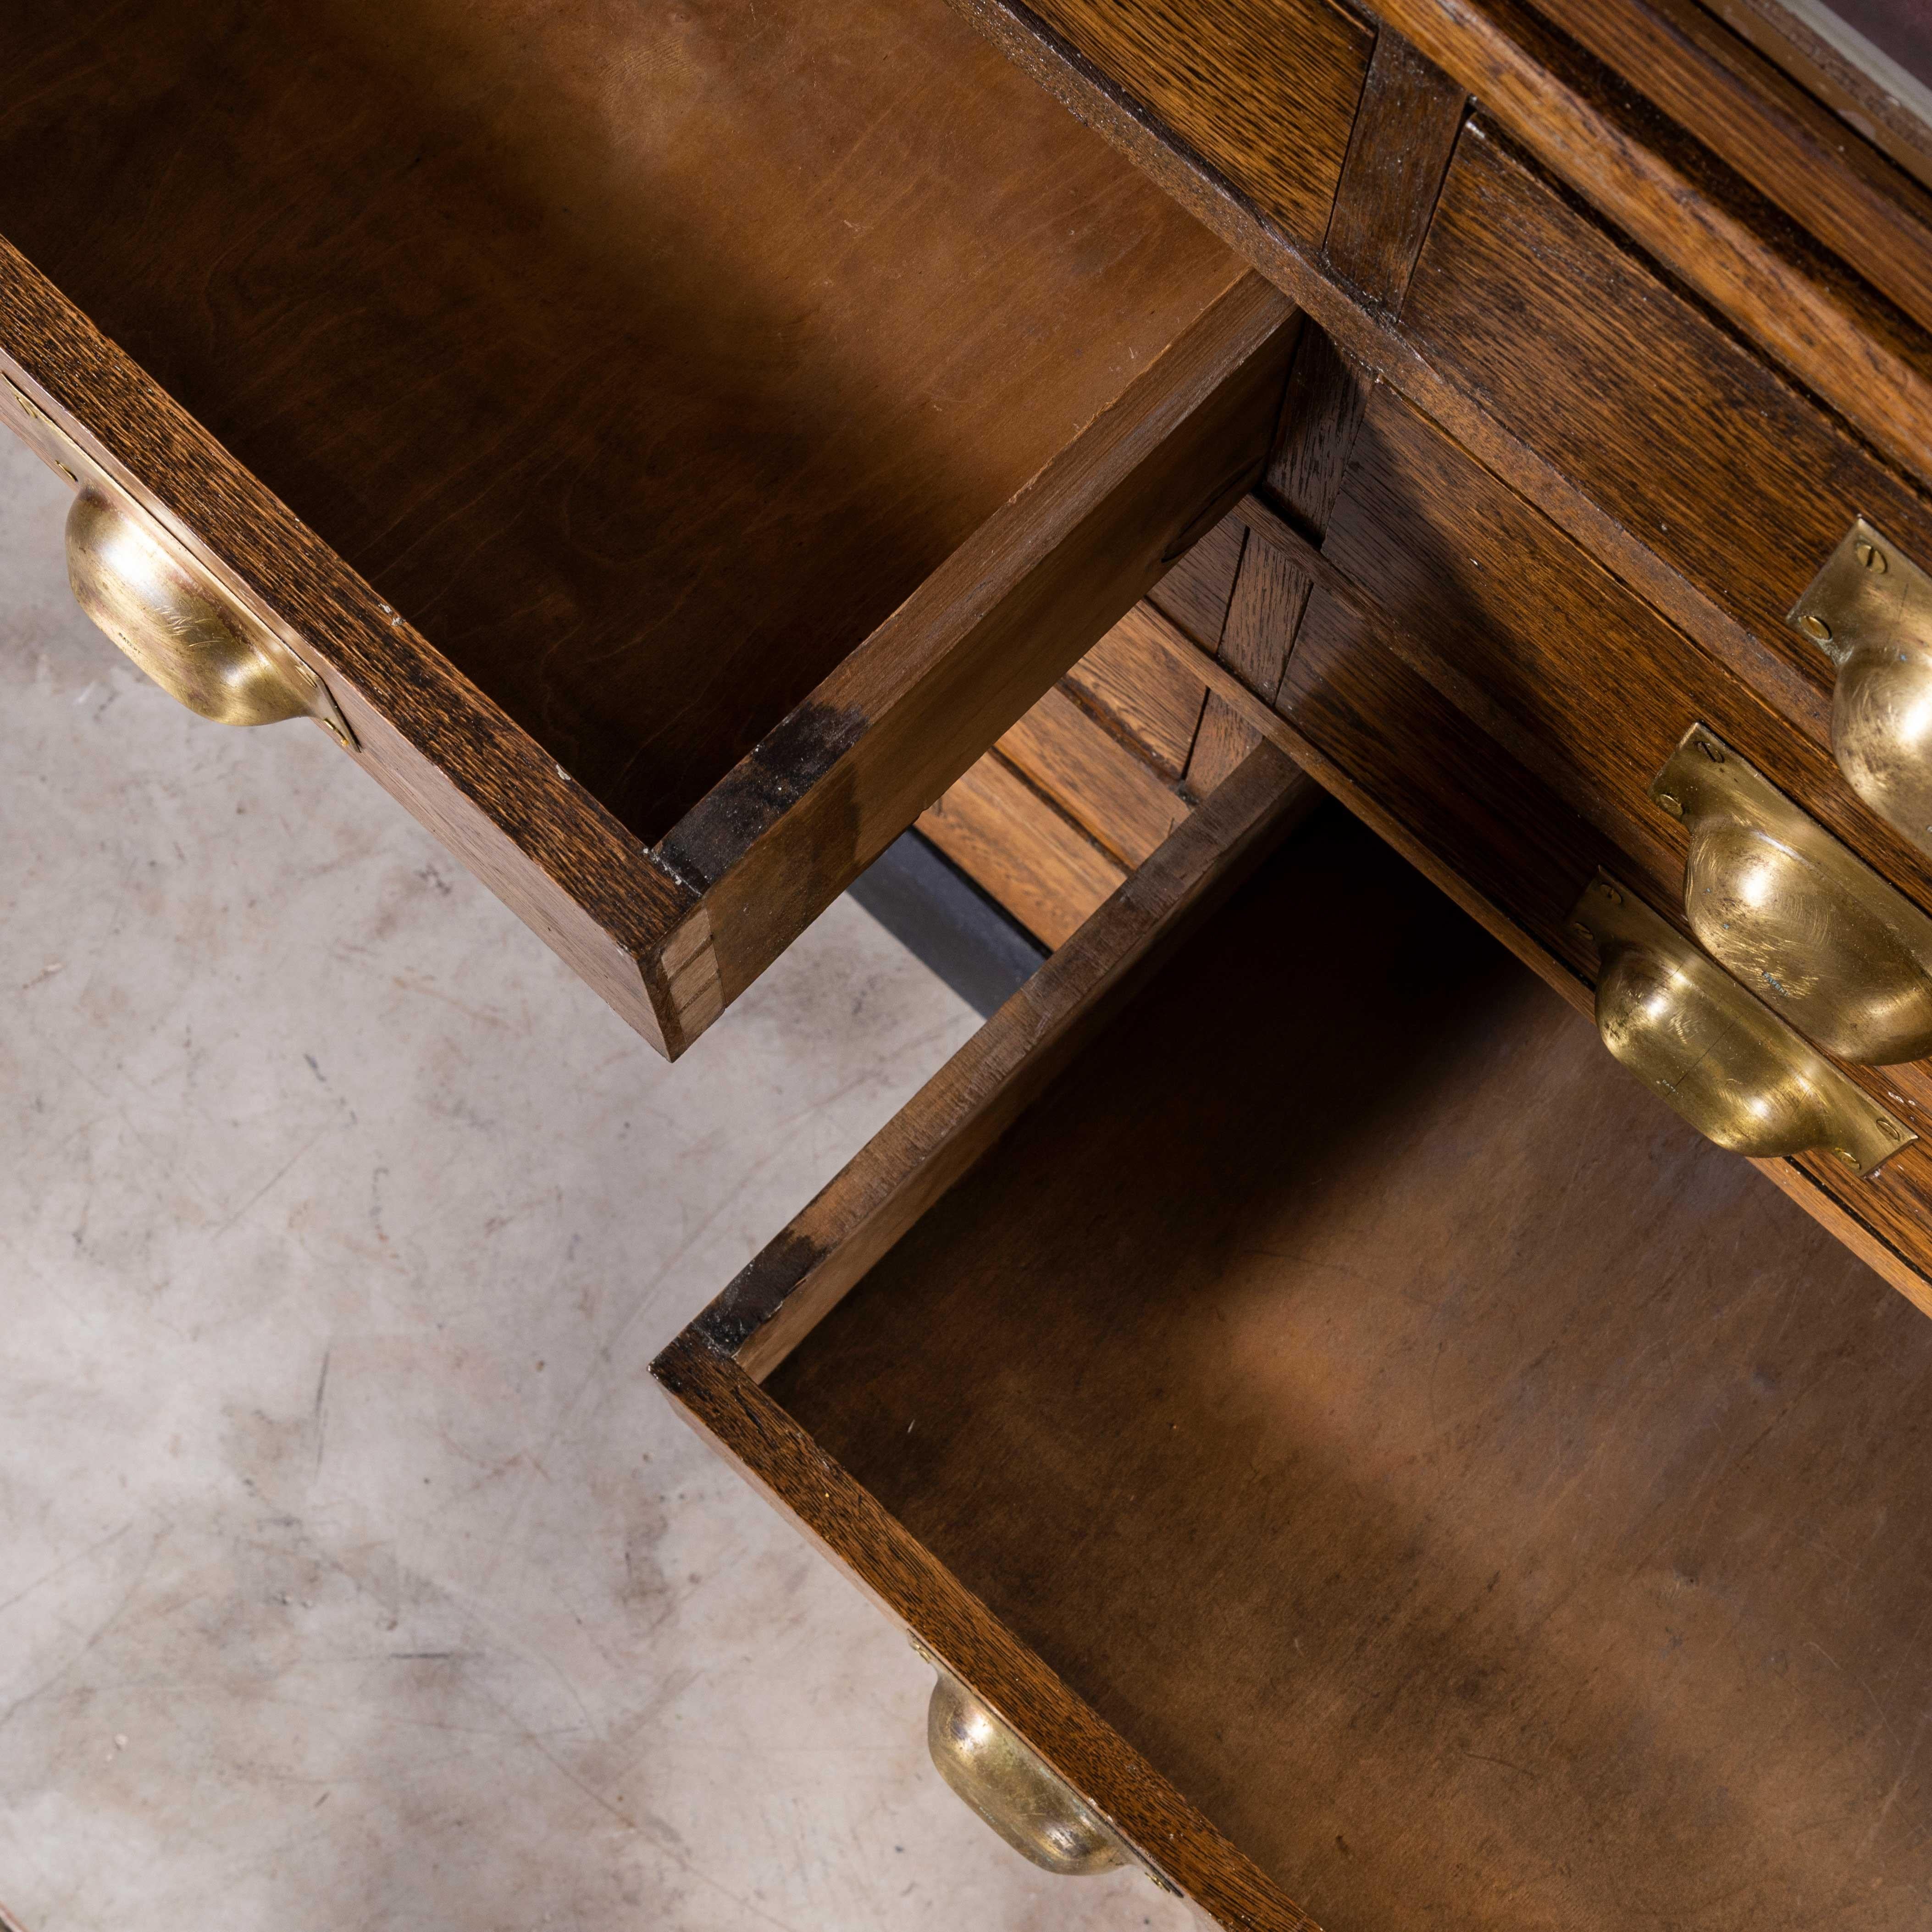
[(353, 1576)]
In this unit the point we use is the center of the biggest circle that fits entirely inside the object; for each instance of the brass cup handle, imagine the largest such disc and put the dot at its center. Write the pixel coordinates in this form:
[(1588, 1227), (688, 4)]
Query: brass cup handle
[(1813, 931), (1726, 1064), (197, 642), (1869, 610), (1023, 1799)]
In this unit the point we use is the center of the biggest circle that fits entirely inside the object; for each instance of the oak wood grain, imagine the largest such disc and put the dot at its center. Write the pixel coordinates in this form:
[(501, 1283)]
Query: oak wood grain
[(1523, 852), (595, 452), (1010, 838), (1320, 414), (983, 636), (1267, 92), (1195, 592), (1799, 42), (1791, 295), (732, 1412), (1104, 784), (964, 1108), (439, 746), (1380, 345), (1404, 133), (1789, 145), (1153, 697), (639, 422)]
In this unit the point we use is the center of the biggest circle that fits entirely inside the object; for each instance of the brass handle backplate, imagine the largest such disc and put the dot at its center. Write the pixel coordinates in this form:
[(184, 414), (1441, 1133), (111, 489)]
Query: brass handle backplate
[(1869, 610), (200, 643), (1728, 1065), (1813, 931), (1023, 1799)]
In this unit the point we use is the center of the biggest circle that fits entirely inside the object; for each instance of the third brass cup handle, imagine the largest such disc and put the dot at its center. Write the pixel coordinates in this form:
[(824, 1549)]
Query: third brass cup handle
[(1728, 1065), (200, 643), (1812, 931)]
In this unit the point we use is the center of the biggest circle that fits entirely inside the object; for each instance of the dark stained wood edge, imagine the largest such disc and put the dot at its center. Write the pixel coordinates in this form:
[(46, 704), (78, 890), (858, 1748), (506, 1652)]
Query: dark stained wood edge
[(980, 642), (428, 736), (961, 1111), (733, 1413)]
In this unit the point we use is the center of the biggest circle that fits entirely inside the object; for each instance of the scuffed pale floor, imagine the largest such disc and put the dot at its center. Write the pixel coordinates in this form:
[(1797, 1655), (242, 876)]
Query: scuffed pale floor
[(353, 1576)]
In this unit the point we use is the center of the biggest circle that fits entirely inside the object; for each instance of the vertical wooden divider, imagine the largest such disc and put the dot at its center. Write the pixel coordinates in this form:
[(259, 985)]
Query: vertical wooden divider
[(1411, 115)]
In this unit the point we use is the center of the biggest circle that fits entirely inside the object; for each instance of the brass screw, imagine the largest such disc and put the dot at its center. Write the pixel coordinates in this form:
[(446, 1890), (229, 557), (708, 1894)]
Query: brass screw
[(1610, 893), (1845, 1155), (1869, 554), (1714, 752), (1675, 806), (1815, 626), (1885, 1126)]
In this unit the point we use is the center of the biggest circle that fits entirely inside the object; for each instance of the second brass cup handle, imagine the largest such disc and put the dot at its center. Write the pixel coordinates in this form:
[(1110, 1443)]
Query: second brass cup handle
[(1811, 930), (1016, 1791), (1726, 1063)]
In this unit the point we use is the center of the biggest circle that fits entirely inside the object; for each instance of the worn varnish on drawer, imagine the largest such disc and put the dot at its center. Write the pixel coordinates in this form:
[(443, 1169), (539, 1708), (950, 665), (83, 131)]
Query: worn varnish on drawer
[(1367, 1446), (682, 442)]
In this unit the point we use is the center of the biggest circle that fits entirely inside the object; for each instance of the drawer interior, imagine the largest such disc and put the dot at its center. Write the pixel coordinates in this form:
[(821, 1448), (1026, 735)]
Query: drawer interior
[(1491, 1505), (645, 358)]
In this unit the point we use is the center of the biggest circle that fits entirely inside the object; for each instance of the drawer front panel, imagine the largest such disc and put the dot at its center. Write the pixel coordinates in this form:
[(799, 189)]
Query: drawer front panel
[(1685, 436), (1263, 90)]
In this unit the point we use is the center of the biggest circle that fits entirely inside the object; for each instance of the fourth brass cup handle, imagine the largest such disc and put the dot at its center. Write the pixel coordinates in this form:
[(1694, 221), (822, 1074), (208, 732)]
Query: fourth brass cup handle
[(198, 644), (1728, 1065), (1015, 1792)]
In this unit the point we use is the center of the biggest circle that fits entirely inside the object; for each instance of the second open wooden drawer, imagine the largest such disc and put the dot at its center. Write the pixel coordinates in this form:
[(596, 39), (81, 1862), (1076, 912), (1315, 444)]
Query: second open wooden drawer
[(1386, 1471), (667, 448)]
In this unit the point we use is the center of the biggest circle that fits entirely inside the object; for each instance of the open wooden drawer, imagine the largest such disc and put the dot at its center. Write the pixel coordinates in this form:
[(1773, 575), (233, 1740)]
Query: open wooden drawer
[(1371, 1453), (667, 447)]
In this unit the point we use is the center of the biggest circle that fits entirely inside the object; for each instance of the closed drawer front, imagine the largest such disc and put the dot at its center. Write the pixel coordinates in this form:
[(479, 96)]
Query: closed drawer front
[(1683, 434), (1356, 1438), (668, 513)]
